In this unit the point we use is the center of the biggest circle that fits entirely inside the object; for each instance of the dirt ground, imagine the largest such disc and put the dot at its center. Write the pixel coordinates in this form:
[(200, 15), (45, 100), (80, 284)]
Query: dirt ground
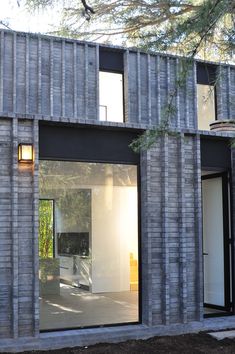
[(183, 344)]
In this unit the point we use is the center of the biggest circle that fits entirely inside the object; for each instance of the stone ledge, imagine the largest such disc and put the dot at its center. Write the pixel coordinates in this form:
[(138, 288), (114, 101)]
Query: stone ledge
[(87, 337), (115, 125), (223, 126)]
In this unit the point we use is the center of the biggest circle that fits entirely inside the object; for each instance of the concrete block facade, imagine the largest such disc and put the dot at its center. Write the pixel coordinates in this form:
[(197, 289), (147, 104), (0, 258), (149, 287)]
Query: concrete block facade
[(56, 80), (19, 232), (172, 229)]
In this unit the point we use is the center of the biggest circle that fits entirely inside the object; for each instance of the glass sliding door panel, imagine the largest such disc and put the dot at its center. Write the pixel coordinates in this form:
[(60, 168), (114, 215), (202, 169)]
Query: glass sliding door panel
[(213, 241), (95, 244)]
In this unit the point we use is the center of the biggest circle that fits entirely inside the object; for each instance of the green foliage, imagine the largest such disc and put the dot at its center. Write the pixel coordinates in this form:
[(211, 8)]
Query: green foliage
[(72, 203), (189, 27), (48, 266), (45, 229), (75, 207)]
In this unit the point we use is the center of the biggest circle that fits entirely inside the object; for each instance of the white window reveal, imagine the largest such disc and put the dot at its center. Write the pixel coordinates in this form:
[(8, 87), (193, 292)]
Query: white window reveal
[(205, 106), (111, 96)]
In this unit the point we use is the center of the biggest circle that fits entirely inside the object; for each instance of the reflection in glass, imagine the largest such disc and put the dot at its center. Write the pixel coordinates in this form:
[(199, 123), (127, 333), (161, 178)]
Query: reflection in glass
[(205, 106), (46, 232), (93, 253)]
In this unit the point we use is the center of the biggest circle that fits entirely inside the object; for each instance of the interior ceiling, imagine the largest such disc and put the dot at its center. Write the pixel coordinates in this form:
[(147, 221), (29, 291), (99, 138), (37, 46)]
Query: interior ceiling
[(210, 172)]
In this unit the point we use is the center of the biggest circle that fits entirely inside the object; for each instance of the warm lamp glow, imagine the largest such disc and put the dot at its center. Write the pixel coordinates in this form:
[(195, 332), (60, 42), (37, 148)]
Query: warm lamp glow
[(25, 153)]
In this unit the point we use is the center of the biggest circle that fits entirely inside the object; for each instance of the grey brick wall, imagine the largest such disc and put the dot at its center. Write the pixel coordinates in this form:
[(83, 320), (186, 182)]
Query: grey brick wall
[(25, 237), (226, 93), (17, 231), (55, 77), (171, 225), (6, 256), (57, 80), (171, 231), (48, 76)]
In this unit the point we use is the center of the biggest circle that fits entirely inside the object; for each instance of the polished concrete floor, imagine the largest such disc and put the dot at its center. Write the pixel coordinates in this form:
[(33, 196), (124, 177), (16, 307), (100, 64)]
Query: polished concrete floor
[(211, 311), (75, 308)]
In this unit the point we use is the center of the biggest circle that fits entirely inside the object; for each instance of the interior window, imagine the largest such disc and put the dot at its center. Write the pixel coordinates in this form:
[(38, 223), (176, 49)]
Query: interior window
[(111, 96), (205, 106)]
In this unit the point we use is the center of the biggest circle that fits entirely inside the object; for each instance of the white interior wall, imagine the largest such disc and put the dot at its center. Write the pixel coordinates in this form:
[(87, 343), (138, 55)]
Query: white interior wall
[(213, 246), (205, 106), (114, 236), (114, 228), (111, 96)]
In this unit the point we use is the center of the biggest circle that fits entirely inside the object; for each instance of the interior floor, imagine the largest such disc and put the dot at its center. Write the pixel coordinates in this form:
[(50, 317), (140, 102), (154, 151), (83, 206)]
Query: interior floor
[(211, 311), (75, 308)]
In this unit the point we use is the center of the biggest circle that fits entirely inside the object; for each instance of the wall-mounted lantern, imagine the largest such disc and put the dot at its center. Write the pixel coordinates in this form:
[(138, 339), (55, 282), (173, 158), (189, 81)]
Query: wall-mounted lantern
[(25, 153)]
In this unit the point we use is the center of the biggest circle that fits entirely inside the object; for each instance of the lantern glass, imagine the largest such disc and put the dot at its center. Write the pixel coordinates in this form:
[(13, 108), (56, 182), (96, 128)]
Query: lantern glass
[(25, 153)]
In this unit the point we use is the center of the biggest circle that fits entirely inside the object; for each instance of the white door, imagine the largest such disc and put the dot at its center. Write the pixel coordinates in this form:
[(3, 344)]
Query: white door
[(213, 241)]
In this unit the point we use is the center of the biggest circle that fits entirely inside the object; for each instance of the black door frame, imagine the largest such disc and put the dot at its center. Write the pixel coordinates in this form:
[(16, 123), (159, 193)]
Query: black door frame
[(80, 143), (227, 239)]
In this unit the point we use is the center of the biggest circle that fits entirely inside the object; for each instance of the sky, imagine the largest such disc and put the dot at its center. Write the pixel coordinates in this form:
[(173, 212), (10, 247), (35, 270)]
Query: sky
[(20, 20), (41, 21)]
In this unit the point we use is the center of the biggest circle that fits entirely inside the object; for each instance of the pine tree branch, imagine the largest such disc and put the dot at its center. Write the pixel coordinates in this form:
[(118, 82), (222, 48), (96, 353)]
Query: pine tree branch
[(205, 32), (88, 9), (3, 23)]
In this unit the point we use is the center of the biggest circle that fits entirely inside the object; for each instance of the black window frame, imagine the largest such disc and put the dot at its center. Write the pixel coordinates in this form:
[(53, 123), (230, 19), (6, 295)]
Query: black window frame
[(47, 138), (207, 75), (111, 60)]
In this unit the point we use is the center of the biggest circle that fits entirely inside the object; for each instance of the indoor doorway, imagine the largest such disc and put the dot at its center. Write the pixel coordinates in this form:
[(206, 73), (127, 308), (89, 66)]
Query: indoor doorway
[(216, 244)]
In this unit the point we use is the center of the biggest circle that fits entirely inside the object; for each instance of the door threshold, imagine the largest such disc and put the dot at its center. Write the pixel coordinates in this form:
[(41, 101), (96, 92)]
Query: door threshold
[(221, 314)]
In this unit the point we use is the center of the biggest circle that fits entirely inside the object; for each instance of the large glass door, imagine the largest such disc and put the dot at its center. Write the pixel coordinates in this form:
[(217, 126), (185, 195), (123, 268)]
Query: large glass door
[(216, 242), (89, 269)]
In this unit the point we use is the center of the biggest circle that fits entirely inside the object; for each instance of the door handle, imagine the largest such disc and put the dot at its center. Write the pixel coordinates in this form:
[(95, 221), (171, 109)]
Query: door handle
[(205, 254)]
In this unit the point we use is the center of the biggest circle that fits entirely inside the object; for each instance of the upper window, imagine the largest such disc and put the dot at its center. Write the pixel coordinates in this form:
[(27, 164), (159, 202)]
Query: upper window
[(111, 96), (206, 106), (206, 95), (111, 85)]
